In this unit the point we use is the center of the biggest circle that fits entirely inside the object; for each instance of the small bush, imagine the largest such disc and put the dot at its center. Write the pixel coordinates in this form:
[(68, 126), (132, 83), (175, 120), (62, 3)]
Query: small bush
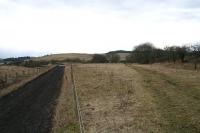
[(97, 58)]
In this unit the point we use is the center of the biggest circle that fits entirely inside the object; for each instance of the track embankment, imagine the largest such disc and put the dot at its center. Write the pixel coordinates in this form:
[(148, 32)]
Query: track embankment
[(30, 108)]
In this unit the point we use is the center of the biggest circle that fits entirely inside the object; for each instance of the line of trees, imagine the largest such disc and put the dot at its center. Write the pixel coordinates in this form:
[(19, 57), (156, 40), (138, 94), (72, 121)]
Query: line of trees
[(15, 61), (147, 53)]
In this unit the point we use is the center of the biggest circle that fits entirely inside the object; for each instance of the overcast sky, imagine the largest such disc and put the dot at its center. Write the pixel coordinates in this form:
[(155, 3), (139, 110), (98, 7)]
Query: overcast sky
[(37, 27)]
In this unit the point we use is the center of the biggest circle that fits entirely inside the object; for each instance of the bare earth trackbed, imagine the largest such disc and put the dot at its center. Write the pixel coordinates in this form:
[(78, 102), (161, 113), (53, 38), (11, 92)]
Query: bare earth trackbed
[(30, 108)]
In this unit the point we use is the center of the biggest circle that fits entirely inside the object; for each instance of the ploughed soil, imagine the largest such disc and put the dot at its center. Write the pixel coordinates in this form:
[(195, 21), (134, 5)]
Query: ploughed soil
[(31, 107)]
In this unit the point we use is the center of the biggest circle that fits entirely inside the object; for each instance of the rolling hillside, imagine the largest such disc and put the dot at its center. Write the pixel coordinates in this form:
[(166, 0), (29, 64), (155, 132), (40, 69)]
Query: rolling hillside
[(81, 56), (64, 56)]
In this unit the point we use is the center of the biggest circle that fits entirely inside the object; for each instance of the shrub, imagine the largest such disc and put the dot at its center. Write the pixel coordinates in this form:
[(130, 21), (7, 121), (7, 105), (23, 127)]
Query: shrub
[(97, 58)]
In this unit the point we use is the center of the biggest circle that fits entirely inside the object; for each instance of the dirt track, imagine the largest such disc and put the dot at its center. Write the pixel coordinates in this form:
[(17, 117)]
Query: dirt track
[(30, 108)]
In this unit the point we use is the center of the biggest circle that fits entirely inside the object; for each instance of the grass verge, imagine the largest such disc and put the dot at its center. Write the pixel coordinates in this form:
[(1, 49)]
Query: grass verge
[(176, 98), (65, 119)]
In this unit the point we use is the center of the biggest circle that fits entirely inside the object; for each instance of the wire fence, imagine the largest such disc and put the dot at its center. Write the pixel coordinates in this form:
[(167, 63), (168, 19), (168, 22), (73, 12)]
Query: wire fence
[(76, 99)]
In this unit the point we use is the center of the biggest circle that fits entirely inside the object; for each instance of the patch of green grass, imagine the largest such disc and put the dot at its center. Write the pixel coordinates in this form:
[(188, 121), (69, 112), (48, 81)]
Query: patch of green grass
[(70, 128)]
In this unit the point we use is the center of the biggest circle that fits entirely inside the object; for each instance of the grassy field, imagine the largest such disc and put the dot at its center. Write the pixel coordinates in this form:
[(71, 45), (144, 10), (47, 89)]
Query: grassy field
[(12, 74), (12, 77), (121, 98), (118, 98), (179, 65)]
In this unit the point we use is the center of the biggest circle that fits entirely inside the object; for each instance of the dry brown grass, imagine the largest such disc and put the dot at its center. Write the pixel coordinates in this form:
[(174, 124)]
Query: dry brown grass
[(116, 98), (13, 71), (179, 65), (176, 93), (113, 100), (65, 119), (184, 76), (16, 76)]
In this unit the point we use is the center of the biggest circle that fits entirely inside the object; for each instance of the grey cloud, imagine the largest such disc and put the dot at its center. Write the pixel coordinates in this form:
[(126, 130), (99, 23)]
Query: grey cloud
[(115, 3), (191, 4), (184, 9)]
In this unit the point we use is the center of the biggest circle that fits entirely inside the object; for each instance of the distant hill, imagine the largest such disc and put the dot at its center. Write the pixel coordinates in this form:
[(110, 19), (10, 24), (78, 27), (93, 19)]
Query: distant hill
[(81, 56), (64, 56), (18, 59), (122, 53)]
